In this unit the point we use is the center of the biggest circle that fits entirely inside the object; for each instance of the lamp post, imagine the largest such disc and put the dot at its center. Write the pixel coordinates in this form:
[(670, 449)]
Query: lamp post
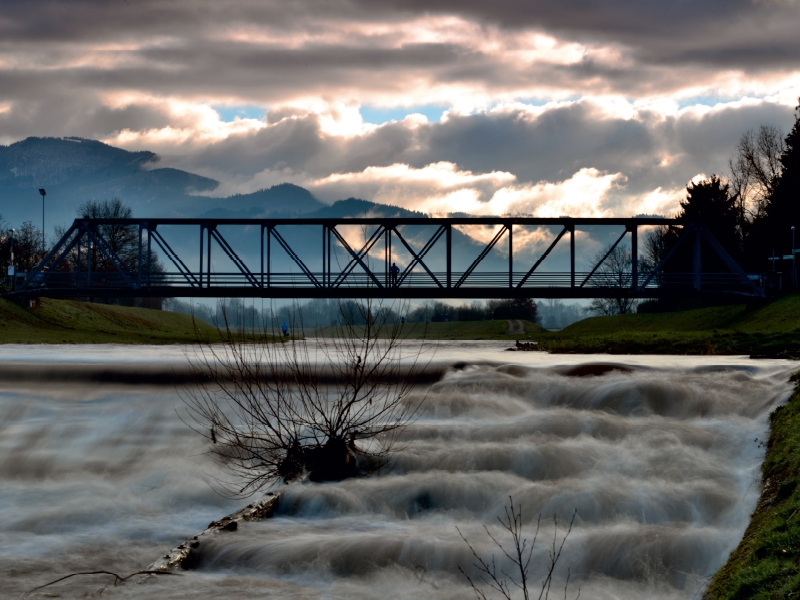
[(794, 261), (11, 270), (43, 193)]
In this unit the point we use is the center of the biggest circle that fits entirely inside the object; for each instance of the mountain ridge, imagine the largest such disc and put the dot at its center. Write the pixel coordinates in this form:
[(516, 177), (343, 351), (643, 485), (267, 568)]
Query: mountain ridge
[(74, 170)]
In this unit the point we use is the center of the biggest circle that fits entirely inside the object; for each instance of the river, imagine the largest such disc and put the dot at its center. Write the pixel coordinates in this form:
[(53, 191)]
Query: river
[(660, 458)]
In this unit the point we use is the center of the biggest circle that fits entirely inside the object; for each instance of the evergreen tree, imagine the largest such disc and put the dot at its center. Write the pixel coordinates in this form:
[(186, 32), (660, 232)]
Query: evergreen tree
[(709, 202), (771, 231), (783, 211)]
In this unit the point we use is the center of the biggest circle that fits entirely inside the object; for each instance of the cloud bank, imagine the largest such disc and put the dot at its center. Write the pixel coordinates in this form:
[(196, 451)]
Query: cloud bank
[(547, 108)]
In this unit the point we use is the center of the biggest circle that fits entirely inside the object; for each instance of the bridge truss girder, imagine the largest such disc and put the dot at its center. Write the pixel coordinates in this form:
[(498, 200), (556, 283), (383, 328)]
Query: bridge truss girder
[(358, 278)]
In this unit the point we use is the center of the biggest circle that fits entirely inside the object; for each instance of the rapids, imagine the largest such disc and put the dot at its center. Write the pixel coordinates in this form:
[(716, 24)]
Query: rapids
[(659, 455)]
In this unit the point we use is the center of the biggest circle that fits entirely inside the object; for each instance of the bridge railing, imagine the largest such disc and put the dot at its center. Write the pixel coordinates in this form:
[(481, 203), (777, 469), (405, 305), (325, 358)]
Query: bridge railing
[(108, 281)]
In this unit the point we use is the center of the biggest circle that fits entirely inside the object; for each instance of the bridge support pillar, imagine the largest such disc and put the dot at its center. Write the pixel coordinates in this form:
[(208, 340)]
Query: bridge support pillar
[(449, 240), (202, 232), (634, 256), (572, 255), (510, 255)]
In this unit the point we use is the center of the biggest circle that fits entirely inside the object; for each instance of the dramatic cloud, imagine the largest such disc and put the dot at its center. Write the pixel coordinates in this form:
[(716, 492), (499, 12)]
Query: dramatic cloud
[(509, 106)]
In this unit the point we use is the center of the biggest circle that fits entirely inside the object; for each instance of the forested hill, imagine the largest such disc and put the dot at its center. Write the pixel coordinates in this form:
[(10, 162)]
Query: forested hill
[(73, 170)]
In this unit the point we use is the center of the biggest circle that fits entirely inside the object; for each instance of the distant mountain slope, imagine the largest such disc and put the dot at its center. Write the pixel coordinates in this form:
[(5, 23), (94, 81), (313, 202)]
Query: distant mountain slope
[(38, 162), (74, 170), (354, 207), (284, 198)]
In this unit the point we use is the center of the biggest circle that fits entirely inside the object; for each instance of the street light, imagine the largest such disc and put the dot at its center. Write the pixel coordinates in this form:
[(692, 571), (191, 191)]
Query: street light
[(43, 193), (794, 261), (11, 272)]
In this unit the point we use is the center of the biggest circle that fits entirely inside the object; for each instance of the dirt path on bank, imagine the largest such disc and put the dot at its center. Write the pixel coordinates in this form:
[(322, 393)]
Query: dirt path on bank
[(515, 328)]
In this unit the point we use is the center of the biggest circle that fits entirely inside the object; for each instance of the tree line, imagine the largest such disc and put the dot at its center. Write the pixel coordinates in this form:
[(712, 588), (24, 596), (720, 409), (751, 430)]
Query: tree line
[(750, 212), (322, 312)]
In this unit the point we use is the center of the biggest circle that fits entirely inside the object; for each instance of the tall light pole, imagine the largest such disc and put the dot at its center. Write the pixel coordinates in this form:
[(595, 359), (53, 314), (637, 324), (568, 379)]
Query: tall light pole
[(11, 270), (43, 193), (794, 261)]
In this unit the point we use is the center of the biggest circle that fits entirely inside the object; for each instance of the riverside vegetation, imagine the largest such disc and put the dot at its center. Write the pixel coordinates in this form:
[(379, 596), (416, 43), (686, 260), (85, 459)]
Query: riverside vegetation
[(71, 322), (732, 329), (765, 564)]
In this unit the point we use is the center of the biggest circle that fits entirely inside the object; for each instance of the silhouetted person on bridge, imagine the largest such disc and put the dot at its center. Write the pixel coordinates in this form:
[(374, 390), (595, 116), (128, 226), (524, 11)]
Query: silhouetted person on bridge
[(395, 271)]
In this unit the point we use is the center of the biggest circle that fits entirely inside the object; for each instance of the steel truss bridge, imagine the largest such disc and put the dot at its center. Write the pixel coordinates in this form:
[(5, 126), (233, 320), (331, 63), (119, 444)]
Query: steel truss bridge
[(88, 262)]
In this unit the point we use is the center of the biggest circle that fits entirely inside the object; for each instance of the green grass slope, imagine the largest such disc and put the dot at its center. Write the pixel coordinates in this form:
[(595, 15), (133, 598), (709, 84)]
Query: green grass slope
[(765, 564), (67, 321), (732, 329)]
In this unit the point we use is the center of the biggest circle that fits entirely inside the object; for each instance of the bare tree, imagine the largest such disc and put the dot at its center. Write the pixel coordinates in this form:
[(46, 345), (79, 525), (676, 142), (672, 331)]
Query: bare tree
[(756, 168), (614, 272), (123, 240), (282, 410), (519, 555), (28, 247), (656, 248)]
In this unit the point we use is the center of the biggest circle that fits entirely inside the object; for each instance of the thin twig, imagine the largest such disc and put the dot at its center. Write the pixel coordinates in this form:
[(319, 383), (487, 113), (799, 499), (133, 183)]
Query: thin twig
[(117, 578)]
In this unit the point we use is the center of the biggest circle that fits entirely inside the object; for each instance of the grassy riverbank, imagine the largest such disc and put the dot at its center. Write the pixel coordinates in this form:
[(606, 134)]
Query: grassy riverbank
[(732, 329), (70, 322), (765, 565)]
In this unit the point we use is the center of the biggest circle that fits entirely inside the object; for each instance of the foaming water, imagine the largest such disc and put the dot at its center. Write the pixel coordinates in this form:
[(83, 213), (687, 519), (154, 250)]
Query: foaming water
[(657, 454)]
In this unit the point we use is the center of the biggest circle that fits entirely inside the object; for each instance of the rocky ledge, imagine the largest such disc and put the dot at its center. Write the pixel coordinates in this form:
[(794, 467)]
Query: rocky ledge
[(181, 557)]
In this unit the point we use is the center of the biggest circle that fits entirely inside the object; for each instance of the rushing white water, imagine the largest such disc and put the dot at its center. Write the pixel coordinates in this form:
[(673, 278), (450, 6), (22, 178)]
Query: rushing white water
[(660, 460)]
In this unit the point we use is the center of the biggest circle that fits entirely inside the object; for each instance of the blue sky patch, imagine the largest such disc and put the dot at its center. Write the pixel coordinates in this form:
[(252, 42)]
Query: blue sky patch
[(228, 114), (708, 100), (379, 116)]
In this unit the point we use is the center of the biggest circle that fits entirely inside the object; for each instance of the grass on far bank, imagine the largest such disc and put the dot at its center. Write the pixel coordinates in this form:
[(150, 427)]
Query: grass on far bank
[(765, 564), (72, 322), (732, 329)]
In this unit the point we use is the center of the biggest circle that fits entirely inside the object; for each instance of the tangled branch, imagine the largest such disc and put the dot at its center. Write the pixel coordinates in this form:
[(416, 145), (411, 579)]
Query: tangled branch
[(519, 555), (282, 410)]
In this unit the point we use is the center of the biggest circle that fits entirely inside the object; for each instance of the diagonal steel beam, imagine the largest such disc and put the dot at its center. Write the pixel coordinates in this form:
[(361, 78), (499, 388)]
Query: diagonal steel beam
[(732, 264), (234, 257), (660, 265), (541, 259), (293, 255), (357, 258), (172, 255), (112, 256), (602, 260), (418, 257), (482, 255), (58, 250)]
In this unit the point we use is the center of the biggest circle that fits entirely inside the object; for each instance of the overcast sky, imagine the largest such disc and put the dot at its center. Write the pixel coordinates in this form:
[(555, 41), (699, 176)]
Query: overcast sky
[(547, 107)]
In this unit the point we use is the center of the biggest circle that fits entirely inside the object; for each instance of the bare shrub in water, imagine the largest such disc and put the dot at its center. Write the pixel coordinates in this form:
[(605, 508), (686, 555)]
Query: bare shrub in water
[(519, 554), (274, 408)]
